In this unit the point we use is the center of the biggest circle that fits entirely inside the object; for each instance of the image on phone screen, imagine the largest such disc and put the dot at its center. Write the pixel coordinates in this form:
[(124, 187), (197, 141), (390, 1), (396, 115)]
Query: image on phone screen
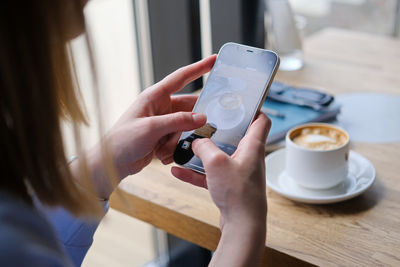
[(230, 98)]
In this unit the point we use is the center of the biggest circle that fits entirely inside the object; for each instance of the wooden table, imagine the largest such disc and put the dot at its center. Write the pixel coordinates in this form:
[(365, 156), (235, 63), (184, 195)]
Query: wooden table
[(364, 231)]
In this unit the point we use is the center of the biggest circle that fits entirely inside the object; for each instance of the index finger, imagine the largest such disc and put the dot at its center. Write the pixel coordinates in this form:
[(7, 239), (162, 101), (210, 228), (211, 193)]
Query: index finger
[(183, 102), (259, 129), (181, 77), (255, 138)]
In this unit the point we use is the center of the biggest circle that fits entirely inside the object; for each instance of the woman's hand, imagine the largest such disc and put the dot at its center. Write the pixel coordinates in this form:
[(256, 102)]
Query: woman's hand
[(151, 126), (237, 186)]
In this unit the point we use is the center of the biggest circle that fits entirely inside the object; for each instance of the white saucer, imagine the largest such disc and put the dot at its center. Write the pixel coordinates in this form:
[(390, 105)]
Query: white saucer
[(361, 176)]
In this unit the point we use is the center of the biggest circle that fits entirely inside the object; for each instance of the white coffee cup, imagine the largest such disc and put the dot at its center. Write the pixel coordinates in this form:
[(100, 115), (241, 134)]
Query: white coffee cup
[(317, 168)]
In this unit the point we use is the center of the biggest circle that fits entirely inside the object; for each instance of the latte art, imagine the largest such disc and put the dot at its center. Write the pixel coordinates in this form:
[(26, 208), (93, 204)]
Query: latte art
[(320, 138), (230, 101)]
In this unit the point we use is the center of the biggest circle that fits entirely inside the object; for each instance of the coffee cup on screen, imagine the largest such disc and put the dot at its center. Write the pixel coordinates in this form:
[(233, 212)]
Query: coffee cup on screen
[(227, 112), (229, 106), (317, 155)]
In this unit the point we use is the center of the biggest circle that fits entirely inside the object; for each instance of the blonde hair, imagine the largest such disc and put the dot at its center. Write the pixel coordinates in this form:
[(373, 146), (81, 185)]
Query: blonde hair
[(37, 91)]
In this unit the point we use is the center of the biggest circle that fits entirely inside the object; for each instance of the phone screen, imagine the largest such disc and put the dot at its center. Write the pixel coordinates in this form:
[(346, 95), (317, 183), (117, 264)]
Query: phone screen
[(230, 98)]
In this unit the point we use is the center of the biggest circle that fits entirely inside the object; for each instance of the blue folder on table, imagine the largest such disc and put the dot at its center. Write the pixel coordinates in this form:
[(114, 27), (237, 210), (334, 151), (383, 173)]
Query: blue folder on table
[(295, 115)]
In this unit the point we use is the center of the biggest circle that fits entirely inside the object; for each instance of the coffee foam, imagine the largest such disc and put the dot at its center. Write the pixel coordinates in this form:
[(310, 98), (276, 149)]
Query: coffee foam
[(320, 138), (230, 101)]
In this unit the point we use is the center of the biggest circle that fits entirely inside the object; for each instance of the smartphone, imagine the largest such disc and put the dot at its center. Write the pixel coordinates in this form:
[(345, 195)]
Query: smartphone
[(233, 94)]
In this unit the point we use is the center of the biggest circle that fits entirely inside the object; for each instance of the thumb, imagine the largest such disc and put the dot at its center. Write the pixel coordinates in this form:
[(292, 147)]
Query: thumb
[(209, 153), (178, 122)]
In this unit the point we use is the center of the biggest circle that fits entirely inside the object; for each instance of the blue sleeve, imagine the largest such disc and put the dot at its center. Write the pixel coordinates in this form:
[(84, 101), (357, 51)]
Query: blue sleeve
[(75, 234)]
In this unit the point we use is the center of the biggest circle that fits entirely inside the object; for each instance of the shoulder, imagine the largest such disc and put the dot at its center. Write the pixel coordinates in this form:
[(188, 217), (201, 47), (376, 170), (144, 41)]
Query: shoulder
[(26, 238)]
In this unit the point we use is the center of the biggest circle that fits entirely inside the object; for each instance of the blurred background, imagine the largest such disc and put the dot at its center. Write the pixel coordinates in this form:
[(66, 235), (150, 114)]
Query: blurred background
[(137, 42)]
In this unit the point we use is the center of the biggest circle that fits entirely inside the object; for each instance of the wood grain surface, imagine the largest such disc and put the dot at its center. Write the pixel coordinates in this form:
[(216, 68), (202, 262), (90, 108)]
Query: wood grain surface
[(364, 231)]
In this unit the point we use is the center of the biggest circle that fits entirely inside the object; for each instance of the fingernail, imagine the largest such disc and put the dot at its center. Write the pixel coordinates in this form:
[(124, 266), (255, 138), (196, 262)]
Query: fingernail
[(194, 142), (198, 118)]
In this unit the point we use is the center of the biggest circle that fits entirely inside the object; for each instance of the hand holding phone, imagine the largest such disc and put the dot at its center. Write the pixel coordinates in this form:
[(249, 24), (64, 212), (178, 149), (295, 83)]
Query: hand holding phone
[(237, 186), (232, 96)]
